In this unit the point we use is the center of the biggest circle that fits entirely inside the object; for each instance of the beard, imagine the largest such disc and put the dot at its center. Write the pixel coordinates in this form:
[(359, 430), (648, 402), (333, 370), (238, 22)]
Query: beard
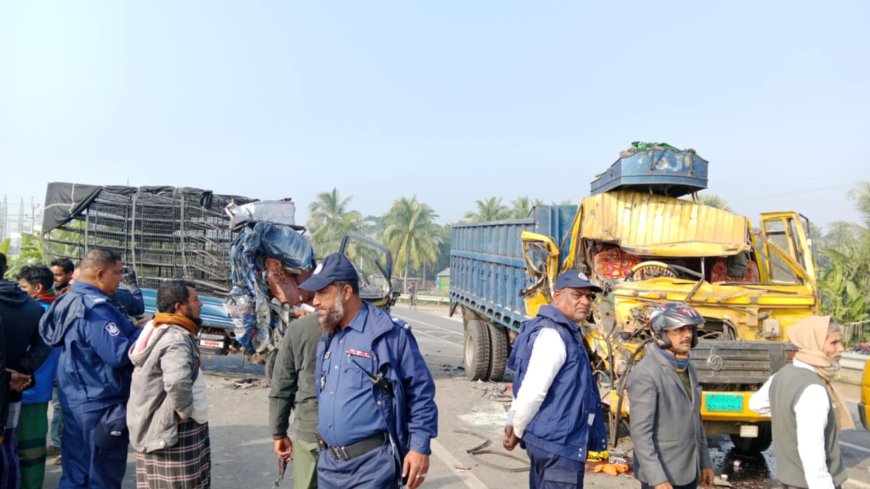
[(332, 317)]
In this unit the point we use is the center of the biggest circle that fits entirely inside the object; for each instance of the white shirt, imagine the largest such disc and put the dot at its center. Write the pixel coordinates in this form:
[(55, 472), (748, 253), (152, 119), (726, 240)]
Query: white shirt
[(811, 415), (200, 399), (548, 356)]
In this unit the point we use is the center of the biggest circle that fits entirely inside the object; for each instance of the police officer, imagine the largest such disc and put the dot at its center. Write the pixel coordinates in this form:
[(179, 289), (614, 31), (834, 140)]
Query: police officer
[(93, 374), (376, 397), (553, 379)]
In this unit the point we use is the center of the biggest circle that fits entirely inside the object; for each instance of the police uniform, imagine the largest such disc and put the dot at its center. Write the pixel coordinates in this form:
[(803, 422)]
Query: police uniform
[(376, 397), (93, 379)]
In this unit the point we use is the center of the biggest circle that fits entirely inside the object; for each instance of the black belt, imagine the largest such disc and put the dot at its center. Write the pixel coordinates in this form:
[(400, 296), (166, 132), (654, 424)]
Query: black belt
[(355, 450)]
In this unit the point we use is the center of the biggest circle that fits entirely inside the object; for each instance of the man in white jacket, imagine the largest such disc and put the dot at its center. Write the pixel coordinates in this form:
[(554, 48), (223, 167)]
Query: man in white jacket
[(168, 411)]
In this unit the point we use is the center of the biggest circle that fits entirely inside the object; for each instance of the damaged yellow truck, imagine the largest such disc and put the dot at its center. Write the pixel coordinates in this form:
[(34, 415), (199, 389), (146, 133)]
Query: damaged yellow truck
[(645, 246)]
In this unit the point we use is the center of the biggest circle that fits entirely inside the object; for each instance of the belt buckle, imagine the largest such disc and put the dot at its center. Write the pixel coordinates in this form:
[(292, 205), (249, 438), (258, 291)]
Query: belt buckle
[(339, 453)]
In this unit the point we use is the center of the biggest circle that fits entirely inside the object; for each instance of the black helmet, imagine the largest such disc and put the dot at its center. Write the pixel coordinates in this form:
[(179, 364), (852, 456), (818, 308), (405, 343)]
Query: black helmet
[(673, 315)]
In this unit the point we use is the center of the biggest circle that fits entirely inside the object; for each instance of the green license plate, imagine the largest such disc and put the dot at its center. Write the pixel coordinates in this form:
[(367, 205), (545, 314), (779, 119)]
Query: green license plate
[(727, 403)]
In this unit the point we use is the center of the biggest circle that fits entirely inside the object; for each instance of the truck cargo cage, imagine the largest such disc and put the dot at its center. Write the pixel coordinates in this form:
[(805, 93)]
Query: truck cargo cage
[(160, 232)]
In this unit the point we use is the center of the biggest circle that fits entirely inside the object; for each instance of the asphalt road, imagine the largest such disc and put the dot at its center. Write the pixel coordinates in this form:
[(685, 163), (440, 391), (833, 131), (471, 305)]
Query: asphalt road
[(471, 414)]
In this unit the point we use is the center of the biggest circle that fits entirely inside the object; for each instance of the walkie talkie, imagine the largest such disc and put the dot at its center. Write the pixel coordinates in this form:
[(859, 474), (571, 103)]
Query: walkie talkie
[(379, 380)]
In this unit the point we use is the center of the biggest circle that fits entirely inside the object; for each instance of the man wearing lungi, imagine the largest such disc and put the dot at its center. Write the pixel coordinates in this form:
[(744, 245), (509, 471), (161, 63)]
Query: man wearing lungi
[(168, 410)]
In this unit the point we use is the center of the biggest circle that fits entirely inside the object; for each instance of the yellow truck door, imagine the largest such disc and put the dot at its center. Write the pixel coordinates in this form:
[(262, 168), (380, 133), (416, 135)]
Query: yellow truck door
[(542, 266), (785, 252)]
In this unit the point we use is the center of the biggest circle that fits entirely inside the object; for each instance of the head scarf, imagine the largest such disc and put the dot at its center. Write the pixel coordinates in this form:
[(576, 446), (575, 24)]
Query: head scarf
[(809, 336)]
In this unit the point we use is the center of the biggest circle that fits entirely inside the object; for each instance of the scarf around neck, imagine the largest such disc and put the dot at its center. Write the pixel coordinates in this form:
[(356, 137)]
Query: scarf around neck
[(809, 336), (680, 362), (45, 297), (178, 319)]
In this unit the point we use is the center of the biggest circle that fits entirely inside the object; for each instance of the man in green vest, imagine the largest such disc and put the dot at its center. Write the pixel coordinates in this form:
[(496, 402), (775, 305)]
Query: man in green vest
[(806, 412)]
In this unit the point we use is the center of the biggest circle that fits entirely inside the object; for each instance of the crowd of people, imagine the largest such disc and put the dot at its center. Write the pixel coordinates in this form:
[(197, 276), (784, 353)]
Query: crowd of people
[(361, 393)]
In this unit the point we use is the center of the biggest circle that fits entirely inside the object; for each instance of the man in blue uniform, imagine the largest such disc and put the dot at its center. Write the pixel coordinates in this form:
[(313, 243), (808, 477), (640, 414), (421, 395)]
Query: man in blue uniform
[(93, 374), (557, 410), (376, 397)]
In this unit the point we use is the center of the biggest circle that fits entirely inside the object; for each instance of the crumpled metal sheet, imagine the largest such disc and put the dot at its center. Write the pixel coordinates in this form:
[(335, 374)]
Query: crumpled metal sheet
[(248, 301)]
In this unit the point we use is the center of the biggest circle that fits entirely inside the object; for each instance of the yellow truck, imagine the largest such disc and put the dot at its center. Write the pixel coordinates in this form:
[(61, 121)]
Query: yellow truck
[(644, 248)]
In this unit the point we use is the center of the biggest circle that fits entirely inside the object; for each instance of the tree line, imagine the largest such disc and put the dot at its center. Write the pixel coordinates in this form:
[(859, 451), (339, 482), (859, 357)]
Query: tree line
[(421, 247)]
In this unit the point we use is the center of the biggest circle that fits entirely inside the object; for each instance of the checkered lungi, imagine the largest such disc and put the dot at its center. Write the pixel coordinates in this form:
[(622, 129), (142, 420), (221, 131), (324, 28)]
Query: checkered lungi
[(187, 465)]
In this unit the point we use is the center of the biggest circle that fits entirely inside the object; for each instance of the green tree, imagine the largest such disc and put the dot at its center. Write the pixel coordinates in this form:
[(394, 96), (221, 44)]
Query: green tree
[(411, 235), (713, 200), (329, 220), (522, 207), (844, 277), (861, 195), (490, 209), (29, 253)]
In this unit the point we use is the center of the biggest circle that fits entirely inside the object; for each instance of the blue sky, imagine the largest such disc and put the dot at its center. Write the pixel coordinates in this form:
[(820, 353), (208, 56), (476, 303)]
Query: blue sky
[(451, 101)]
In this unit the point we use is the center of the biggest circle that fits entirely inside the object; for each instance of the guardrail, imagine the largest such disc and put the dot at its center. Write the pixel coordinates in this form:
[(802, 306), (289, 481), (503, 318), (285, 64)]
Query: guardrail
[(852, 367), (426, 298)]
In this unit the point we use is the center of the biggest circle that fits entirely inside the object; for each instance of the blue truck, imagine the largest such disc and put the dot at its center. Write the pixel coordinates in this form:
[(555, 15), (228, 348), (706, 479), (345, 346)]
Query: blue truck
[(488, 279)]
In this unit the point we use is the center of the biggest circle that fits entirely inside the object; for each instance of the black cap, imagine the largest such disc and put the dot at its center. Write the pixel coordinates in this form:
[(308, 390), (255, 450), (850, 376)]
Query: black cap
[(575, 280), (334, 267)]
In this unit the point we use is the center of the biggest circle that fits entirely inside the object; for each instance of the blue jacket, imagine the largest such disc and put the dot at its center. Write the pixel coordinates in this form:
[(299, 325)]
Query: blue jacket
[(410, 412), (94, 370), (43, 377), (569, 422)]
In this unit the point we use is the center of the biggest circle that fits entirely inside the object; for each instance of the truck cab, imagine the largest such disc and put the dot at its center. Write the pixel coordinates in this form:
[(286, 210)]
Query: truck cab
[(750, 284)]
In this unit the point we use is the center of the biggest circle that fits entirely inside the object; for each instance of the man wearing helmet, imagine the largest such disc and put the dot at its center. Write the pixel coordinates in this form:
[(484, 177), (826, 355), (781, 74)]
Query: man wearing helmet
[(553, 378), (670, 449)]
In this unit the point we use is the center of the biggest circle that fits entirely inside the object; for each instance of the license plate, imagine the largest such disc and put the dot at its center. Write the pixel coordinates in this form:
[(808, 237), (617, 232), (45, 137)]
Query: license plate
[(211, 344), (727, 403)]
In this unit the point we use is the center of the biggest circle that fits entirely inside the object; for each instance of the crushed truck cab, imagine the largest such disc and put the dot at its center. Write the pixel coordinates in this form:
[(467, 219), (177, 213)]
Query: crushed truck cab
[(645, 248)]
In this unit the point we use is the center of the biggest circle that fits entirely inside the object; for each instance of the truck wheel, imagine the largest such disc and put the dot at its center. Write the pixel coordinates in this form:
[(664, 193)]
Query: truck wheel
[(476, 356), (754, 445), (499, 348)]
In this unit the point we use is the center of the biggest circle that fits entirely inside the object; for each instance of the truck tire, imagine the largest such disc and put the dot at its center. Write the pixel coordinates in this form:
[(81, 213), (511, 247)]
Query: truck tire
[(477, 353), (754, 445), (499, 349)]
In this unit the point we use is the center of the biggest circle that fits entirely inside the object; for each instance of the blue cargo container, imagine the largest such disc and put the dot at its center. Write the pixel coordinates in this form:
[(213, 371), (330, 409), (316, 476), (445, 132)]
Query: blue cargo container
[(487, 274)]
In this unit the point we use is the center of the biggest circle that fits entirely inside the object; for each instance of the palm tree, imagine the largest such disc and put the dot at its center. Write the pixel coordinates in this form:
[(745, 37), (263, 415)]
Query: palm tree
[(861, 196), (329, 220), (713, 200), (522, 207), (411, 234), (490, 209)]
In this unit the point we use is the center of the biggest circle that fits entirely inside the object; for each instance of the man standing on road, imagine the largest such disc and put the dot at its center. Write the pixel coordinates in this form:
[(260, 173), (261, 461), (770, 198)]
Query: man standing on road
[(553, 377), (22, 352), (292, 387), (36, 281), (376, 409), (168, 409), (805, 410), (670, 449), (93, 373), (412, 296)]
